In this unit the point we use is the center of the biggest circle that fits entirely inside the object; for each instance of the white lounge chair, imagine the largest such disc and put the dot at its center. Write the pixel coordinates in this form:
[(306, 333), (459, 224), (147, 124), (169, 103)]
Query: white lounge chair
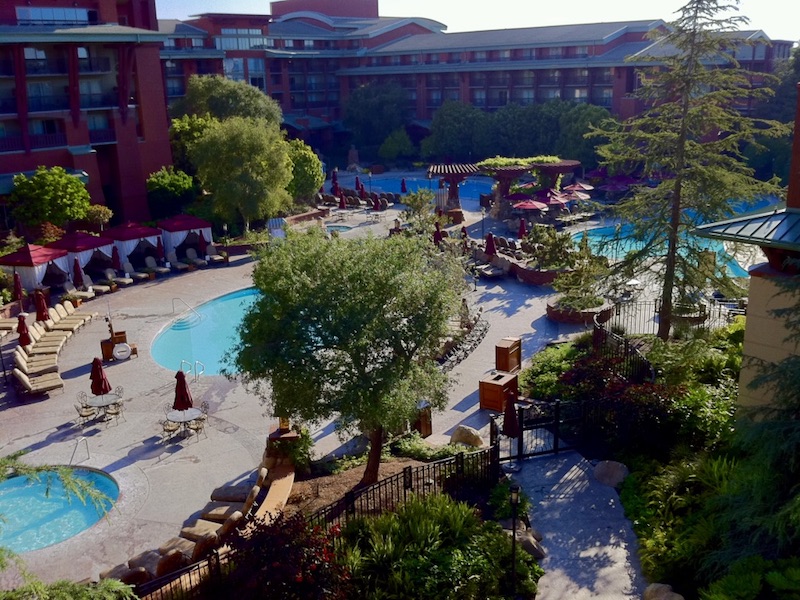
[(39, 385), (134, 274), (152, 265), (191, 256), (111, 275), (176, 264), (70, 288), (97, 288), (213, 255)]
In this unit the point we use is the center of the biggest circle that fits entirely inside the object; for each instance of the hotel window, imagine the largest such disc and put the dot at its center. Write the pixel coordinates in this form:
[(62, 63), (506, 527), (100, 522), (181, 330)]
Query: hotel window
[(34, 54), (256, 73), (197, 43), (580, 51), (52, 16), (432, 59), (550, 94), (479, 56), (504, 55), (553, 52), (233, 68), (97, 120), (580, 95), (395, 60), (308, 44), (479, 97), (434, 98), (170, 43), (454, 57)]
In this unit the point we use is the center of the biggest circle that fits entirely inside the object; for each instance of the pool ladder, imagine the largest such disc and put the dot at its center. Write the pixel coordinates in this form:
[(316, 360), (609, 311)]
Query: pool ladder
[(75, 449), (195, 369)]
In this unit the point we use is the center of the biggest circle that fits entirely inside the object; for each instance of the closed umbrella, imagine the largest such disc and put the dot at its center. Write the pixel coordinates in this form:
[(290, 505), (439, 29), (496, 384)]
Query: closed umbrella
[(523, 231), (491, 250), (362, 193), (357, 184), (335, 189), (77, 274), (116, 263), (100, 385), (376, 204), (22, 330), (403, 188), (160, 249), (41, 306), (342, 203), (18, 290), (437, 234), (510, 420), (183, 397), (202, 244)]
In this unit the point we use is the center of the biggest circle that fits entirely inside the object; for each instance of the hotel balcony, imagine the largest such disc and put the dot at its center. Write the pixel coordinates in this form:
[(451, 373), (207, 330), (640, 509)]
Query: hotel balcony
[(46, 67), (176, 71), (107, 100), (102, 136), (6, 68), (11, 143), (8, 106), (47, 103), (94, 65), (48, 140)]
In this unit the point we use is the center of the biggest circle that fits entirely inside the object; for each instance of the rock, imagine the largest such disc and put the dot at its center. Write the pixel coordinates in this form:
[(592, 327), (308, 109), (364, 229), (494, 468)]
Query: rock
[(660, 591), (537, 535), (530, 544), (466, 435), (609, 472), (506, 524)]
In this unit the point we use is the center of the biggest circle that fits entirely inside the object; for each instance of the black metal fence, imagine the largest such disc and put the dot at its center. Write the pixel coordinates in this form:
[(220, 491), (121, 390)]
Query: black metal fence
[(628, 362), (453, 476), (642, 318), (544, 427), (185, 583)]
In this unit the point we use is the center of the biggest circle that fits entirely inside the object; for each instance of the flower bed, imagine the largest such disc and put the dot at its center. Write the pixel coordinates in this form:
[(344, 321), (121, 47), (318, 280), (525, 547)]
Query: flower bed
[(579, 317)]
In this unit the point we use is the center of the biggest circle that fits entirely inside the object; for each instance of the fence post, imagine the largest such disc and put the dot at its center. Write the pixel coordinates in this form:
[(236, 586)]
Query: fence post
[(556, 425), (350, 504), (495, 462), (521, 437), (492, 432), (408, 482)]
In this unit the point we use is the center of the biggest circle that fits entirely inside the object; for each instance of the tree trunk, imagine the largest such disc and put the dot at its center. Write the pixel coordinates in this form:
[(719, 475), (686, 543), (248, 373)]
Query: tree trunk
[(374, 458)]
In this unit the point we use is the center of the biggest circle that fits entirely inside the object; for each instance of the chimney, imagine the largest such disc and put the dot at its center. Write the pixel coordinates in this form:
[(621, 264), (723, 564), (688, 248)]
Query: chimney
[(793, 194)]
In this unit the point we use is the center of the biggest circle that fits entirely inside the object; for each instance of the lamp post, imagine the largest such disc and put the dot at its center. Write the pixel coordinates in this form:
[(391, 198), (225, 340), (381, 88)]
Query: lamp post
[(514, 500), (483, 216)]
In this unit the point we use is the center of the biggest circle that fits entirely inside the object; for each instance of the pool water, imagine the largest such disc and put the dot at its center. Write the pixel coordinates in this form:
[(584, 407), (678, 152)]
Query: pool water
[(31, 519), (472, 187), (204, 335), (338, 228)]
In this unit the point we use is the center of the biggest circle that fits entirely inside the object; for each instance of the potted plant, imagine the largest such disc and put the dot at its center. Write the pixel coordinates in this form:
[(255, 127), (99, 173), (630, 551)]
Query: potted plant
[(550, 253), (76, 300)]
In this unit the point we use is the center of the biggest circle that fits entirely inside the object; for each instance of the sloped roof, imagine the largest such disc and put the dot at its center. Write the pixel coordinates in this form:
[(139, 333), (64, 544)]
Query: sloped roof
[(78, 33), (455, 169), (774, 228), (78, 241), (31, 255), (183, 223), (131, 231), (179, 28)]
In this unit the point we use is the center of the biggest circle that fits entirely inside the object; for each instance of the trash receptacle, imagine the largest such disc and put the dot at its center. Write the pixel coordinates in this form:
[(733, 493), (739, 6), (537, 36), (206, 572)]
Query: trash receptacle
[(423, 422)]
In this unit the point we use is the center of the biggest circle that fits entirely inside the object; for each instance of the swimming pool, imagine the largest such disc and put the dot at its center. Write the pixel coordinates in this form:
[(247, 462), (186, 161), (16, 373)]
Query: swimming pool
[(472, 187), (203, 335), (34, 520), (338, 228)]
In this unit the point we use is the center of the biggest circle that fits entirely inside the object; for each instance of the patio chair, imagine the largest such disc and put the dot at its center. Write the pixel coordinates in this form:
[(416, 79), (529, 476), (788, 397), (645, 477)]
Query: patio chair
[(34, 370), (38, 385), (203, 527), (115, 411), (172, 258), (111, 275), (220, 511), (238, 492), (152, 265), (70, 288), (85, 414), (198, 426), (133, 273), (213, 255), (191, 257), (193, 551), (96, 288), (168, 429)]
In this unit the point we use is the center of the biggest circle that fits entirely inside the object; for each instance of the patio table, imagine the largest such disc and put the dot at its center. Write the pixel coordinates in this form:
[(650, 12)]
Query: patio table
[(184, 417), (104, 401)]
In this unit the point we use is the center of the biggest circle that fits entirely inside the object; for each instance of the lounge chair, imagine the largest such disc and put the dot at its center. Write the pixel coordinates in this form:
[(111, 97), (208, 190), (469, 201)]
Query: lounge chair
[(36, 362), (127, 575), (193, 551), (96, 288), (238, 492), (220, 511), (70, 288), (133, 273), (172, 259), (191, 257), (49, 336), (32, 369), (152, 266), (8, 324), (40, 346), (56, 323), (202, 527), (67, 312), (39, 385), (111, 275), (157, 564), (213, 255)]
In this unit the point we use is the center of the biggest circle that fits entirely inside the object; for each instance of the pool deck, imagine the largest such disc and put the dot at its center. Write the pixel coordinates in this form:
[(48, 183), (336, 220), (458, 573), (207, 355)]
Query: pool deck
[(164, 486)]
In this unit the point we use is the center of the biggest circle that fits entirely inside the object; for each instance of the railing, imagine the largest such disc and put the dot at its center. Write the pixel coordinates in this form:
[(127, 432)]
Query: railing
[(102, 136), (48, 140), (451, 476), (182, 301), (42, 103), (196, 369), (75, 448), (187, 582), (628, 362), (11, 143), (108, 99), (46, 67), (94, 65), (6, 68), (8, 105)]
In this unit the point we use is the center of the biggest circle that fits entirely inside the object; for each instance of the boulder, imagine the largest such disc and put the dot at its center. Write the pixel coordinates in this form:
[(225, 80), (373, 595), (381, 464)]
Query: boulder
[(466, 435), (610, 472), (660, 591), (529, 544)]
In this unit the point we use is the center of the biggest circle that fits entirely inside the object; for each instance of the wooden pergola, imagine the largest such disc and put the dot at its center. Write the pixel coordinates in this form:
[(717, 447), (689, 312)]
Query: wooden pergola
[(452, 175)]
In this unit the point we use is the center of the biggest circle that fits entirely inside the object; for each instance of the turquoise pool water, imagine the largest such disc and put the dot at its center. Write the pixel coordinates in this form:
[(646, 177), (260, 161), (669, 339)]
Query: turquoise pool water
[(338, 228), (472, 187), (204, 335), (34, 520)]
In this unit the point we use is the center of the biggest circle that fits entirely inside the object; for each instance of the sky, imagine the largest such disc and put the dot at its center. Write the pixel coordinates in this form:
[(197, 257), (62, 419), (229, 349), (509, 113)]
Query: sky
[(779, 19)]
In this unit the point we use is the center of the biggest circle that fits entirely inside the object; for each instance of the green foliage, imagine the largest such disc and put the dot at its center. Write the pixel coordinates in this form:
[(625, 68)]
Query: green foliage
[(694, 131), (578, 286), (324, 355), (419, 213), (48, 196), (550, 249), (754, 578), (168, 190), (105, 589), (307, 175), (223, 98), (413, 445), (284, 558), (453, 131), (397, 145), (541, 379), (373, 112), (299, 449), (245, 165), (99, 215), (500, 501), (12, 243), (434, 547), (183, 132)]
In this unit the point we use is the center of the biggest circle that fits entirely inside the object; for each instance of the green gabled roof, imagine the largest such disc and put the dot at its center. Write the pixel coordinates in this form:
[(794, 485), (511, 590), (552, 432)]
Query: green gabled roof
[(773, 228)]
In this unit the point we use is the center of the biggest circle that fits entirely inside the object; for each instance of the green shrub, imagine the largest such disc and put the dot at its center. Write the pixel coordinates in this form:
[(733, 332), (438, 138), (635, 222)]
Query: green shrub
[(755, 578), (500, 501), (541, 379), (413, 445)]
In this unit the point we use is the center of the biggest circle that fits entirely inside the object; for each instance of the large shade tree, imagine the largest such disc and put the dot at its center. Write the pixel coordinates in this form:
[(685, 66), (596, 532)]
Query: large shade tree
[(691, 137), (49, 196), (245, 165), (347, 329), (222, 98), (374, 111), (307, 173)]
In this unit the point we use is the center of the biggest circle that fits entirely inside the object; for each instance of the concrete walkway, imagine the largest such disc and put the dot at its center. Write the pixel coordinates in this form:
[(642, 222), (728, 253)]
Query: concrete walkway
[(591, 550)]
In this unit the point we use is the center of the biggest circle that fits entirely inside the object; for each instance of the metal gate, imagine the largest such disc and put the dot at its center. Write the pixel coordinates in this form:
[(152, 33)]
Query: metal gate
[(545, 428)]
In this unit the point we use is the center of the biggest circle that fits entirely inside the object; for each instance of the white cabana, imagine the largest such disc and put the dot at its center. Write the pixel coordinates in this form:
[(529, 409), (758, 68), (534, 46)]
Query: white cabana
[(176, 229), (32, 261), (129, 235), (81, 247)]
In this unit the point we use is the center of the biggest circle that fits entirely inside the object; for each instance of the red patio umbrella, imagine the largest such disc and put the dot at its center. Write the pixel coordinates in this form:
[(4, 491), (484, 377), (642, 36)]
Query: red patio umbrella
[(116, 263), (491, 250), (342, 203), (530, 205), (403, 188), (437, 234), (18, 290), (362, 193), (576, 195), (202, 244), (100, 384), (40, 303), (376, 204), (22, 330), (160, 249), (183, 397), (510, 421), (357, 184), (523, 231), (77, 277), (335, 189), (579, 187), (334, 176)]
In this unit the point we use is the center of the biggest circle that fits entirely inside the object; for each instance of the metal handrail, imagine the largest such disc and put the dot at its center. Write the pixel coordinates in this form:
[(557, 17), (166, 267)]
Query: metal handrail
[(186, 362), (75, 448), (199, 369), (186, 305)]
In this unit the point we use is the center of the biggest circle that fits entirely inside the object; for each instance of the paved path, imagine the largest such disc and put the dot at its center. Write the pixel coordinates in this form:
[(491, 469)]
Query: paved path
[(590, 546)]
